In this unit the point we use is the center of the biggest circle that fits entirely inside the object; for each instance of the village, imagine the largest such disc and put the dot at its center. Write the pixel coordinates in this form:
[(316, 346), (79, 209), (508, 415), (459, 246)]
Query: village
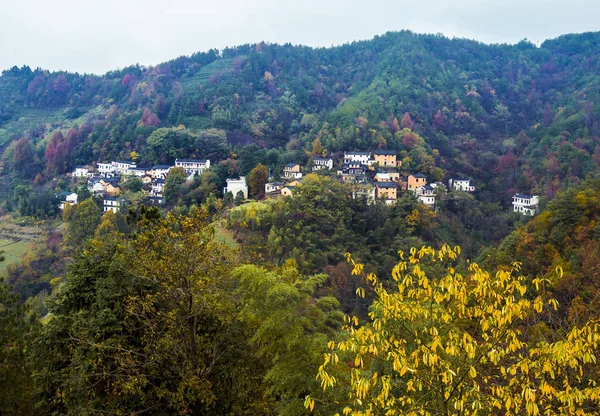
[(373, 175)]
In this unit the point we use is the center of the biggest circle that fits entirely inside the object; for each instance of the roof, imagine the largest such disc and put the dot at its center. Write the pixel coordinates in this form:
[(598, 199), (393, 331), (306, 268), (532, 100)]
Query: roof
[(291, 165), (94, 180), (322, 158), (523, 196), (202, 161), (417, 175), (385, 152), (111, 198), (128, 162), (461, 180), (428, 188), (139, 168), (64, 193), (358, 153), (81, 167), (386, 184), (161, 167), (275, 183), (158, 181), (290, 187)]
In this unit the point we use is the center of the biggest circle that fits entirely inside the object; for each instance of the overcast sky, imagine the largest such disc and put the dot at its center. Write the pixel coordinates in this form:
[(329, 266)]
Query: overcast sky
[(99, 35)]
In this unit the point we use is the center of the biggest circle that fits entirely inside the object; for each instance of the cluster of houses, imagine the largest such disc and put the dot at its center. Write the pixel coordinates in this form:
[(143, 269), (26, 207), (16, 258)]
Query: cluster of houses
[(374, 175), (105, 180), (387, 184)]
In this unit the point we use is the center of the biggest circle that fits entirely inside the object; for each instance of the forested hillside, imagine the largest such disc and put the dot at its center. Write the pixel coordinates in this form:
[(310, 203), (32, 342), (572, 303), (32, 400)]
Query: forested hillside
[(513, 117)]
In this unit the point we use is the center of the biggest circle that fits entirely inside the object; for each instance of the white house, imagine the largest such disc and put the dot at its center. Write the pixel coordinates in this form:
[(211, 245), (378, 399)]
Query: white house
[(272, 187), (236, 185), (361, 190), (123, 167), (160, 171), (461, 185), (426, 195), (139, 172), (82, 172), (94, 185), (107, 169), (112, 203), (363, 158), (320, 163), (193, 166), (66, 198), (158, 187), (526, 204)]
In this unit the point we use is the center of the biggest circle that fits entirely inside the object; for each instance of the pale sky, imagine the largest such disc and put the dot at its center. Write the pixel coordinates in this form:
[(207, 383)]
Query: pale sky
[(96, 36)]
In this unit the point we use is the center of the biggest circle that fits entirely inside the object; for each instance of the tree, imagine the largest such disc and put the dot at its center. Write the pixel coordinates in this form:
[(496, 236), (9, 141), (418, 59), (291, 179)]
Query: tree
[(15, 377), (133, 184), (257, 180), (23, 158), (239, 198), (175, 178), (83, 219), (150, 325), (448, 343), (407, 122)]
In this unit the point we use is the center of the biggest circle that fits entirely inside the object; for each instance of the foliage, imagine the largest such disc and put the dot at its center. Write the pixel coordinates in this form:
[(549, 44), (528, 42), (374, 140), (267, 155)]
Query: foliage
[(440, 342), (257, 180)]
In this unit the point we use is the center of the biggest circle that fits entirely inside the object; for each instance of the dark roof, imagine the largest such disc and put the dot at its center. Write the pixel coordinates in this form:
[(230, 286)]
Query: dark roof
[(385, 152), (161, 167), (290, 165), (275, 183), (428, 188), (112, 180), (386, 184), (94, 180), (203, 161), (63, 193), (523, 196), (111, 198), (155, 181), (357, 153), (418, 175), (129, 162), (322, 158), (80, 167), (460, 179), (139, 168)]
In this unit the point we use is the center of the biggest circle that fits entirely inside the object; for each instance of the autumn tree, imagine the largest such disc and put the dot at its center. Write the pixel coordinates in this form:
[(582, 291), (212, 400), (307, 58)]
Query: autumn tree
[(407, 122), (23, 158), (257, 180), (441, 342)]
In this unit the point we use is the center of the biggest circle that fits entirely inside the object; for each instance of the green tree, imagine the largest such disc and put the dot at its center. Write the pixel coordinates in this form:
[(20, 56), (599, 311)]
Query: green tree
[(133, 184), (175, 178), (150, 325), (83, 219), (15, 376), (257, 180)]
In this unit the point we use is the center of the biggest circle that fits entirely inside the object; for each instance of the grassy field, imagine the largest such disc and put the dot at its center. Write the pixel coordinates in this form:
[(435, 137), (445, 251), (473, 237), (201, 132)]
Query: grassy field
[(225, 236), (13, 252)]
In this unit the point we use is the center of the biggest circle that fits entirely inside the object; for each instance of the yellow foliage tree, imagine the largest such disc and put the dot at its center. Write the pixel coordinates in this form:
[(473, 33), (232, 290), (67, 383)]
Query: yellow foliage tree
[(443, 343)]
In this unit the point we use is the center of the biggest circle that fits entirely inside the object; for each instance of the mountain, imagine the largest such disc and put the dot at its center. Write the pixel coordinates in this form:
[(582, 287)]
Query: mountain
[(513, 117)]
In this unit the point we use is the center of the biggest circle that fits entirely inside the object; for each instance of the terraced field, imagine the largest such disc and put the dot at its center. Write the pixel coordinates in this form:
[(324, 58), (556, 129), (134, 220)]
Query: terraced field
[(192, 83), (15, 241)]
